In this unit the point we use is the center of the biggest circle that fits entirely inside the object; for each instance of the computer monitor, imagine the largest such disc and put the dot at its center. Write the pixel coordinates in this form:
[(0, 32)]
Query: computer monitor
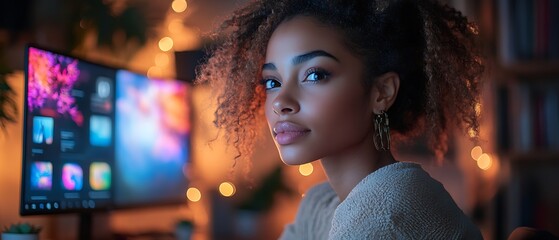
[(99, 138), (68, 146), (152, 140)]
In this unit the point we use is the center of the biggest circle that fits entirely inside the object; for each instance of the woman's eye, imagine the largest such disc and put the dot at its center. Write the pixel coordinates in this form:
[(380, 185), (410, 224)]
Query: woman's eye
[(316, 75), (270, 83)]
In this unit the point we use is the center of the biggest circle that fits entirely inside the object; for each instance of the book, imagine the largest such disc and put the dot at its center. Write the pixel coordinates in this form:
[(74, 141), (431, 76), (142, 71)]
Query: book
[(554, 29), (551, 113), (503, 116), (524, 22), (521, 117), (506, 38)]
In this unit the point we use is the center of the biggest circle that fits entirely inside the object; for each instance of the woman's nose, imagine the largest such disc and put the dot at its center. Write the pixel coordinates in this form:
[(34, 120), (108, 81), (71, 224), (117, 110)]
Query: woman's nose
[(286, 101)]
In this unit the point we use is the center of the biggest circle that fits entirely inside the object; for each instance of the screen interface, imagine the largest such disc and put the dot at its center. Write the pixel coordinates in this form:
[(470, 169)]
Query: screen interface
[(69, 134)]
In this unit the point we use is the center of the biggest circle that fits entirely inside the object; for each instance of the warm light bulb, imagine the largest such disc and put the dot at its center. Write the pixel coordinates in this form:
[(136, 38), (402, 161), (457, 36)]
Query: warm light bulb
[(166, 44), (193, 194), (179, 5), (476, 152), (227, 189), (484, 162), (306, 169)]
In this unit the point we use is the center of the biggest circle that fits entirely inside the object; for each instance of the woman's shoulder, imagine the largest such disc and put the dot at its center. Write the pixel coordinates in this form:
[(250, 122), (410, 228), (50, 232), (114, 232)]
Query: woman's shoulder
[(390, 187), (401, 187), (319, 202), (400, 200), (398, 178), (321, 188), (314, 216), (321, 195)]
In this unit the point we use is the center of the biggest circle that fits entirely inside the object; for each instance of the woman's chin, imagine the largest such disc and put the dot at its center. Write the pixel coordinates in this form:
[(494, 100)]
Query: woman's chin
[(291, 163), (294, 161)]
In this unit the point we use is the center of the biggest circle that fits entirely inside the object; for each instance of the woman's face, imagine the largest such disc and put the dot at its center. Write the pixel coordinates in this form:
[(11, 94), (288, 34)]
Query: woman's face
[(316, 103)]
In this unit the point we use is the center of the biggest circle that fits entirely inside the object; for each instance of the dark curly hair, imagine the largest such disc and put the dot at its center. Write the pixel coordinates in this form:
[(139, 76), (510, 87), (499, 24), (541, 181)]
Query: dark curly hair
[(431, 46)]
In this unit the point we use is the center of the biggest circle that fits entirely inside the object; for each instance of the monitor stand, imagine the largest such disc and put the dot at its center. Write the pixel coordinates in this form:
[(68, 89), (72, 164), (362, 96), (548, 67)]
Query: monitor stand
[(94, 226), (86, 222)]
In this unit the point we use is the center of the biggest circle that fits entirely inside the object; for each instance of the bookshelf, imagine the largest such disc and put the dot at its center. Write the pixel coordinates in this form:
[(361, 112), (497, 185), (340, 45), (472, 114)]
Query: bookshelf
[(526, 76)]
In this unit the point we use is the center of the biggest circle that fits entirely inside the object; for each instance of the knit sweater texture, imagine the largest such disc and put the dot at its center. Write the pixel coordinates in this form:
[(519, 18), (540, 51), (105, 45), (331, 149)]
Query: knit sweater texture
[(398, 201)]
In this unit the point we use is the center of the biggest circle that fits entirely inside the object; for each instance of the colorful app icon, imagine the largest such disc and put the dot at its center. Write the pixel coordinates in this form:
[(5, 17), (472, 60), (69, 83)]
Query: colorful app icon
[(41, 176), (100, 176), (103, 87), (43, 129), (100, 131), (72, 177), (101, 100)]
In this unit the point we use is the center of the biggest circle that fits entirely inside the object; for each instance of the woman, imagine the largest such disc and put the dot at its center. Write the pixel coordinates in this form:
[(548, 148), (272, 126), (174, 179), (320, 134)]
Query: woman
[(335, 79)]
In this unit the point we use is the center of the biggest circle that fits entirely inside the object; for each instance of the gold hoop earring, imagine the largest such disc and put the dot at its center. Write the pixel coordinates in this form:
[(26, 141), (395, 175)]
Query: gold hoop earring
[(381, 137)]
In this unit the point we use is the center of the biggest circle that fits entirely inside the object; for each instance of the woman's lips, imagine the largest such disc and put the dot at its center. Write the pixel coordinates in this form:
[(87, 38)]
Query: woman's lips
[(287, 133)]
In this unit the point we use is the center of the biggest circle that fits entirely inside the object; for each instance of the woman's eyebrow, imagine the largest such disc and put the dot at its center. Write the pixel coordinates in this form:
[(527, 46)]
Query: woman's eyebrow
[(310, 55), (269, 66), (302, 58)]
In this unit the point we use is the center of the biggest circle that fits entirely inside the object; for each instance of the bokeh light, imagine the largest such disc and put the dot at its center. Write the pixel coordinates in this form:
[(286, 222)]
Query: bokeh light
[(179, 5), (306, 169), (484, 162), (476, 152), (166, 44), (227, 189), (193, 194)]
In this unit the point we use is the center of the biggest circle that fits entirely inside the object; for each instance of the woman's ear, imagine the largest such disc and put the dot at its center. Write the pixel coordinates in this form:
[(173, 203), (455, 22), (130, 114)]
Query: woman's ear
[(384, 91)]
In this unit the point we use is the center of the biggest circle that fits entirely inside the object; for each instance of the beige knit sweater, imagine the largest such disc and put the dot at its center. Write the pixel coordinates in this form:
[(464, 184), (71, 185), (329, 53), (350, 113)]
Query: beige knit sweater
[(398, 201)]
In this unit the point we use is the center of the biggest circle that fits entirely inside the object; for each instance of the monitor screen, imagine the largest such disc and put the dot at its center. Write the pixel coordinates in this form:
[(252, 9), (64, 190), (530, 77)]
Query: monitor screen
[(100, 138), (152, 139), (68, 153)]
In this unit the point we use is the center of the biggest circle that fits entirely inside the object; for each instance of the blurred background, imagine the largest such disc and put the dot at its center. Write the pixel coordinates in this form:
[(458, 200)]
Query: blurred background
[(508, 179)]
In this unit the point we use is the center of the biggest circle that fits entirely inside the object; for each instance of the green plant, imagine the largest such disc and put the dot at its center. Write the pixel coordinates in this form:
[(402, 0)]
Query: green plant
[(22, 228), (185, 223), (262, 198)]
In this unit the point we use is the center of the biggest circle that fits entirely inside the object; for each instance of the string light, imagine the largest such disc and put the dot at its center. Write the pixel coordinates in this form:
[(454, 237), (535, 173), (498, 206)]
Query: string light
[(179, 5), (193, 194), (227, 189), (166, 44), (484, 162), (306, 169), (476, 152)]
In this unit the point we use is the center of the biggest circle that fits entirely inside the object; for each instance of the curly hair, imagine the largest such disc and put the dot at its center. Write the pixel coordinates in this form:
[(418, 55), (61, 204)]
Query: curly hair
[(8, 107), (432, 47)]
